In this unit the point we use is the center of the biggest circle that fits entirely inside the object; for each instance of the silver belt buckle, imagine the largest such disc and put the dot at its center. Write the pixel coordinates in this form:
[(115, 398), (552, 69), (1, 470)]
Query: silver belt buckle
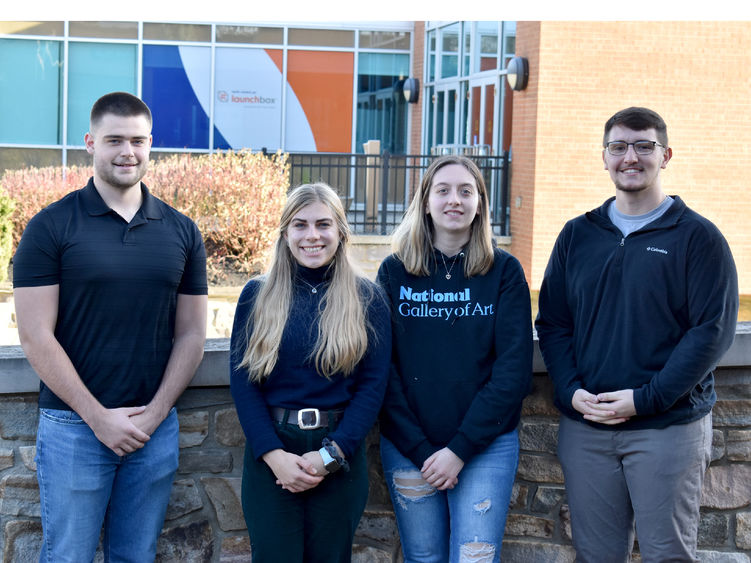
[(304, 419)]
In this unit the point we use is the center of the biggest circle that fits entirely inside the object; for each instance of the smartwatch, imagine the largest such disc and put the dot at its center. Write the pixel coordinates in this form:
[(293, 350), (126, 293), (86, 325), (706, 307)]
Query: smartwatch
[(329, 462)]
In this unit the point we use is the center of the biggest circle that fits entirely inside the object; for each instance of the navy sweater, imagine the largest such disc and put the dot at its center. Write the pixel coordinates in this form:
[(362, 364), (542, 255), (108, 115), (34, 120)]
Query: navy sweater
[(294, 382), (462, 356), (653, 312)]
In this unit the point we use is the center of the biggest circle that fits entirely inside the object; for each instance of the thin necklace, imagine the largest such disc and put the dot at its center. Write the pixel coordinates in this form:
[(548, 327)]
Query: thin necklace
[(313, 288), (448, 270)]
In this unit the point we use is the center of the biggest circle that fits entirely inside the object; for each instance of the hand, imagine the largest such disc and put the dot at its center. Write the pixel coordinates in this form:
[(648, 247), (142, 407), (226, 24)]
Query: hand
[(316, 461), (147, 421), (294, 473), (440, 470), (620, 403), (116, 430)]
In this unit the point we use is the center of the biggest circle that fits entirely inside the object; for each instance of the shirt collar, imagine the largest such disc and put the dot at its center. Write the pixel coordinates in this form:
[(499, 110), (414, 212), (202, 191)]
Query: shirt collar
[(95, 205)]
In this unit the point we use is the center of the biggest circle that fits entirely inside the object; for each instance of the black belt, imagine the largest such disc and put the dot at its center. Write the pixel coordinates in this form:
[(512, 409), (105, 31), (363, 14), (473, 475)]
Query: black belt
[(306, 419)]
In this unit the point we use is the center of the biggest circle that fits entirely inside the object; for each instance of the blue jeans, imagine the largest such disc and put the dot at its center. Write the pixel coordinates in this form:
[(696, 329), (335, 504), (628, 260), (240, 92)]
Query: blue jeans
[(463, 523), (84, 485)]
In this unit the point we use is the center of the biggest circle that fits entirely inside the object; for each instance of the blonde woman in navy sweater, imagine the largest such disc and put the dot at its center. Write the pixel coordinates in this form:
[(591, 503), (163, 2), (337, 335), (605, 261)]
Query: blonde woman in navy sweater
[(462, 364), (309, 358)]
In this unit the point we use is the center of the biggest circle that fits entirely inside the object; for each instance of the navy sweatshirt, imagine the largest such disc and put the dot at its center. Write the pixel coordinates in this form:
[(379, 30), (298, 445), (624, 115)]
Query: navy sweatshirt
[(294, 382), (462, 356), (653, 312)]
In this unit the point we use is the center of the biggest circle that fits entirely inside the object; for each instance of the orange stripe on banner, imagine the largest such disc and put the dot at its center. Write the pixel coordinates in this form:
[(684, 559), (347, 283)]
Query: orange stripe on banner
[(277, 57), (322, 81)]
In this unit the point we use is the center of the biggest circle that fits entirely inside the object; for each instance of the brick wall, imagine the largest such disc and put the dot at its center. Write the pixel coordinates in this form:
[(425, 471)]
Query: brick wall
[(697, 75)]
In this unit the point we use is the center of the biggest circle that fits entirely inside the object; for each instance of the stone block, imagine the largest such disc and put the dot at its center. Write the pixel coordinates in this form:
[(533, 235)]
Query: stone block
[(27, 457), (540, 401), (727, 487), (378, 525), (235, 549), (738, 445), (532, 526), (743, 530), (718, 444), (519, 496), (370, 554), (19, 415), (6, 458), (547, 498), (22, 541), (194, 428), (188, 543), (539, 468), (184, 499), (19, 495), (539, 436), (564, 520), (205, 461), (227, 429), (224, 494), (714, 529), (721, 557), (530, 551), (732, 413)]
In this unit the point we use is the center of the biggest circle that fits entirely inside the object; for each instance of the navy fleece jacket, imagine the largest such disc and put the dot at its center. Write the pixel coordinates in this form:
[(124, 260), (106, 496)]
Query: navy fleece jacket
[(653, 312)]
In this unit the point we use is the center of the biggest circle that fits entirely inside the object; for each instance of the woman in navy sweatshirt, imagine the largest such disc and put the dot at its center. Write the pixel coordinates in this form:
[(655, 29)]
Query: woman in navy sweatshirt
[(309, 359), (461, 366)]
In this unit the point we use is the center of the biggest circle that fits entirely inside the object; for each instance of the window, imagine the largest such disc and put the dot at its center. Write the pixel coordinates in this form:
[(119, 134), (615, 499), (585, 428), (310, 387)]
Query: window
[(30, 86), (94, 70), (381, 107), (248, 100), (176, 86)]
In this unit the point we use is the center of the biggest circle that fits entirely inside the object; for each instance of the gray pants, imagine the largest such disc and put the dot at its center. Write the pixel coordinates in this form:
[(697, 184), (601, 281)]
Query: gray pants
[(649, 477)]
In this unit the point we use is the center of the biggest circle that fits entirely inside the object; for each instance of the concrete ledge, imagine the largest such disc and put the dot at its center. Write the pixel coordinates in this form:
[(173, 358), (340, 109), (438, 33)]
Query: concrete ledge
[(16, 375)]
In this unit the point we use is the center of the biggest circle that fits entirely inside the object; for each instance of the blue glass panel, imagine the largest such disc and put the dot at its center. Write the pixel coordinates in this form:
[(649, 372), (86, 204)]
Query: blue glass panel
[(176, 84), (381, 107), (30, 91), (96, 69)]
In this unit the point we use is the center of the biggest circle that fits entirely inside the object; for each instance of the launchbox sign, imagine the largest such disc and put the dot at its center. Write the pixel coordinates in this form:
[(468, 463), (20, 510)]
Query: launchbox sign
[(249, 99)]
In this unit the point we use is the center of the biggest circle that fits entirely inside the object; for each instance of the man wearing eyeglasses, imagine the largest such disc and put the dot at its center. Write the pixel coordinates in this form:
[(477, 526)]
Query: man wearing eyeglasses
[(638, 304)]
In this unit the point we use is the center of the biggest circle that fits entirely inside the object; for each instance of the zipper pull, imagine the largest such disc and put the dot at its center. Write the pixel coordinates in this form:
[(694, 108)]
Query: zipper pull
[(623, 240)]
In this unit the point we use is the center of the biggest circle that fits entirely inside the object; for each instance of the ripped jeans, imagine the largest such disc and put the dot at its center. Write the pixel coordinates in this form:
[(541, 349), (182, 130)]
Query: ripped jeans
[(461, 525)]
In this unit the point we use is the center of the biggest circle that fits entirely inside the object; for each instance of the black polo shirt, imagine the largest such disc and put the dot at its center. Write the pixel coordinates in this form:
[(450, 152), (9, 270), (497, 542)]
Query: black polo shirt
[(118, 282)]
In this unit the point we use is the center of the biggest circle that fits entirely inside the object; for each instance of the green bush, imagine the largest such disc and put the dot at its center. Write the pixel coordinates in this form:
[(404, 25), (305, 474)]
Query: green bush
[(235, 198), (7, 205)]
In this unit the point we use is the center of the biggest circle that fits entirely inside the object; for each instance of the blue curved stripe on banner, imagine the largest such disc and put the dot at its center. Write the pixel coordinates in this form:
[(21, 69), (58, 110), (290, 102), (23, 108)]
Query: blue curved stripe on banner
[(179, 119), (219, 141)]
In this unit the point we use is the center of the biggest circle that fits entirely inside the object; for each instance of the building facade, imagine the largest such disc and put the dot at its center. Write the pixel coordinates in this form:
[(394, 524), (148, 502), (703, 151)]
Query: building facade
[(328, 88)]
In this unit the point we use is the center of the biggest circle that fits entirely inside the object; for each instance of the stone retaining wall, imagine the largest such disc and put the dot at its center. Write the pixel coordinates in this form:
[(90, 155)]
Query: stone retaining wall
[(204, 520)]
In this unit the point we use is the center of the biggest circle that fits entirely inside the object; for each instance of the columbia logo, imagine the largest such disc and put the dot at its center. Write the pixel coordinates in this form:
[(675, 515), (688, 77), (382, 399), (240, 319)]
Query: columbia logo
[(654, 249)]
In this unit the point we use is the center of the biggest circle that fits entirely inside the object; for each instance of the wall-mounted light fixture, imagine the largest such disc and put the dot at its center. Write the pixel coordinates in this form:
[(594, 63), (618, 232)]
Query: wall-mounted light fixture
[(411, 90), (517, 73)]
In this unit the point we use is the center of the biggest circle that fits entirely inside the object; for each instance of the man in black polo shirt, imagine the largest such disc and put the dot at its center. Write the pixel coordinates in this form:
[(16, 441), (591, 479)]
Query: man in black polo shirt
[(110, 294)]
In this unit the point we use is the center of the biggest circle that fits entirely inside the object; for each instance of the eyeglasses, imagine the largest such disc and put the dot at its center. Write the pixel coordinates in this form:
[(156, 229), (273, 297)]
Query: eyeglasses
[(619, 148)]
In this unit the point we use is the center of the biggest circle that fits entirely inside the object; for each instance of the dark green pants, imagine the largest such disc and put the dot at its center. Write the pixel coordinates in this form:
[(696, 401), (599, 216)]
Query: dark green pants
[(315, 526)]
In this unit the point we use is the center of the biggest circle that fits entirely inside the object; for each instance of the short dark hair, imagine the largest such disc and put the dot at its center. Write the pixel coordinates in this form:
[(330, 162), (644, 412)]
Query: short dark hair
[(638, 119), (119, 103)]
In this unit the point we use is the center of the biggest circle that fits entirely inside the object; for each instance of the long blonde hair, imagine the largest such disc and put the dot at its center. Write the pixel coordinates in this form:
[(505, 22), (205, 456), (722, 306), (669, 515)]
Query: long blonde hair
[(413, 238), (342, 329)]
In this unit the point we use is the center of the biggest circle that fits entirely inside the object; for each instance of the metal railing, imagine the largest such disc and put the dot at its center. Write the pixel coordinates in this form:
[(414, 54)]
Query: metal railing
[(376, 189)]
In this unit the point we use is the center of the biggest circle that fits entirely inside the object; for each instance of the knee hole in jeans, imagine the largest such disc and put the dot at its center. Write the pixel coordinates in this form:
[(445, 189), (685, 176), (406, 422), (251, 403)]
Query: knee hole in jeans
[(476, 552), (483, 506), (410, 486)]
